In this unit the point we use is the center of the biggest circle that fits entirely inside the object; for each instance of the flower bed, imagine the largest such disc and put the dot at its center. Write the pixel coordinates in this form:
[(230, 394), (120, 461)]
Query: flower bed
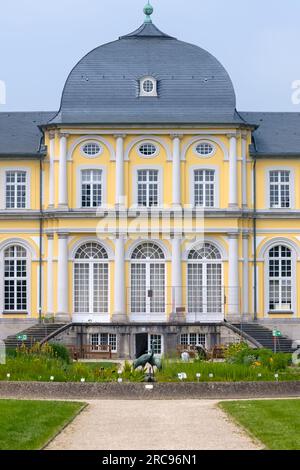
[(51, 363)]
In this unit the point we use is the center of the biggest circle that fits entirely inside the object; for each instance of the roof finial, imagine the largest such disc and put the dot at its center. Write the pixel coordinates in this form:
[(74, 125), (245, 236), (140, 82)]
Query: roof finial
[(148, 10)]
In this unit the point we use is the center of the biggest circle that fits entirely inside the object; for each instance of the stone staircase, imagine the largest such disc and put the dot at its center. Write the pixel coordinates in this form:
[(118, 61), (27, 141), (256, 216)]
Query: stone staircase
[(264, 337), (35, 334)]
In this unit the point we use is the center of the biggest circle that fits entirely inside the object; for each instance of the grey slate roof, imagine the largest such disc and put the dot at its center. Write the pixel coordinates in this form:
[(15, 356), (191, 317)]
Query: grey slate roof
[(19, 132), (277, 134), (193, 87)]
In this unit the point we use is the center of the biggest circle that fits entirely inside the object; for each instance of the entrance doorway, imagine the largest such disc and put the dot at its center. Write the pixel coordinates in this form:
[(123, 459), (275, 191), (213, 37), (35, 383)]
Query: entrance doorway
[(141, 344)]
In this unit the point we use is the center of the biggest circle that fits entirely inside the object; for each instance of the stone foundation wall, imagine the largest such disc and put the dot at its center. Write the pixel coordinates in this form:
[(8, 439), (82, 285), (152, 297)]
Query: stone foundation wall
[(126, 335), (141, 391)]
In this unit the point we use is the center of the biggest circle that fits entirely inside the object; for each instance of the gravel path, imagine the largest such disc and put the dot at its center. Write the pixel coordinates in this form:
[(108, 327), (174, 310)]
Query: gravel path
[(152, 425)]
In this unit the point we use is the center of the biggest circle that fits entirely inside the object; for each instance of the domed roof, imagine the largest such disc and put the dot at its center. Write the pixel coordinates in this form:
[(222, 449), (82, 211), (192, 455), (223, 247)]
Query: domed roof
[(104, 87)]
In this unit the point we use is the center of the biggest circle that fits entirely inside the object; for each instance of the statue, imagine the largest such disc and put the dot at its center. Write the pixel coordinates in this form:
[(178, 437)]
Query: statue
[(150, 359)]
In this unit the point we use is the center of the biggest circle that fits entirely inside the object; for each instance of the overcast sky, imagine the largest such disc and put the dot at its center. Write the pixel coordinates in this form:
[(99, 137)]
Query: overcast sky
[(258, 42)]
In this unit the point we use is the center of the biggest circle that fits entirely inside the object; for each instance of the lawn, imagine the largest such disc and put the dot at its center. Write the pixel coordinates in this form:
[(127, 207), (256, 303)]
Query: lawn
[(276, 423), (29, 425)]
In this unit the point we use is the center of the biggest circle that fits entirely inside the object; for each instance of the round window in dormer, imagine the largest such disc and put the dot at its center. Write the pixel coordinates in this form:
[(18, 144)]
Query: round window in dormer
[(148, 86)]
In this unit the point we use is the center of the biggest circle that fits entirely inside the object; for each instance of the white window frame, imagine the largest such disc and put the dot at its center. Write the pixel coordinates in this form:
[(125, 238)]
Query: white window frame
[(92, 184), (91, 262), (199, 155), (108, 339), (138, 168), (80, 169), (28, 277), (150, 142), (291, 312), (89, 142), (3, 173), (150, 335), (216, 185), (205, 316), (148, 315), (291, 188), (142, 92), (197, 339)]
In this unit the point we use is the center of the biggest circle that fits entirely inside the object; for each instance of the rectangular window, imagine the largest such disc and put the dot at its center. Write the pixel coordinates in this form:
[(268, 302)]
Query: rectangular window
[(148, 190), (204, 188), (91, 188), (99, 340), (280, 189), (15, 192), (193, 339), (156, 343)]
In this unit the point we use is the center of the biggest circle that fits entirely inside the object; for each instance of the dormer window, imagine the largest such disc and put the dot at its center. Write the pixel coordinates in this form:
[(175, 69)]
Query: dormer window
[(148, 86)]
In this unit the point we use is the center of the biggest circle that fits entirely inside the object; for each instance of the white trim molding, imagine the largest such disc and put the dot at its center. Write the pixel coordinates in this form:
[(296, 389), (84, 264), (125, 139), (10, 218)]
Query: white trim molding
[(3, 172), (151, 142), (268, 244), (144, 93), (291, 188), (200, 155), (160, 184), (191, 184), (129, 251), (205, 139), (74, 247), (89, 139), (266, 260), (24, 243), (206, 239), (79, 170), (29, 258), (148, 138)]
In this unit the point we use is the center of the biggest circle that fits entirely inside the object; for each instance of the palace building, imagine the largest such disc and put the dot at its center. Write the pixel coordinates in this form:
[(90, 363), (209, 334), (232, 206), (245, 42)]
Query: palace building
[(148, 207)]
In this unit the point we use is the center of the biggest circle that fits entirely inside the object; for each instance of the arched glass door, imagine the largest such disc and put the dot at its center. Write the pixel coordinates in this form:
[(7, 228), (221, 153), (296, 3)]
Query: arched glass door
[(91, 280), (148, 283), (204, 279)]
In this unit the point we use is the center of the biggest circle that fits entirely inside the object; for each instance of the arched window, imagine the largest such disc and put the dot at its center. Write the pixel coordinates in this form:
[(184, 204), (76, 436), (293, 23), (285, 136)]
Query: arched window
[(148, 280), (204, 271), (280, 278), (15, 279), (91, 279)]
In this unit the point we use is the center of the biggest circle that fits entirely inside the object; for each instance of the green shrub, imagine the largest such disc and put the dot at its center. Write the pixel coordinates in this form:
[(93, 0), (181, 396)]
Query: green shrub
[(242, 354), (60, 351)]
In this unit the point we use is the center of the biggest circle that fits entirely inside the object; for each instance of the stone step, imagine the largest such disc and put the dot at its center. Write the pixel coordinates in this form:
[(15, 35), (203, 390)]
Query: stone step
[(35, 334), (264, 336)]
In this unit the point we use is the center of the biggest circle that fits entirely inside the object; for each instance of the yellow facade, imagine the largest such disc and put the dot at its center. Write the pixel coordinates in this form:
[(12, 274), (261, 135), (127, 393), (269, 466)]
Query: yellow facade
[(82, 224)]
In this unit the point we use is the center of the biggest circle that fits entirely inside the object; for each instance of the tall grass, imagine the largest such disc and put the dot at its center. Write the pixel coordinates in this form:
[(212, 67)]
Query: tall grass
[(42, 367), (220, 372)]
